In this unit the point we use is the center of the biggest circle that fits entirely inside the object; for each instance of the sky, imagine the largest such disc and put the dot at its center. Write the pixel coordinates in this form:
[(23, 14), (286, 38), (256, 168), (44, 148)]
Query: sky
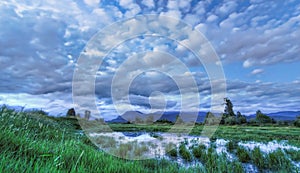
[(257, 42)]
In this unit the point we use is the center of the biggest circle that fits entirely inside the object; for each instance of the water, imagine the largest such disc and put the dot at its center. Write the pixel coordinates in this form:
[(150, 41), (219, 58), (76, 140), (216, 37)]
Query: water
[(157, 144)]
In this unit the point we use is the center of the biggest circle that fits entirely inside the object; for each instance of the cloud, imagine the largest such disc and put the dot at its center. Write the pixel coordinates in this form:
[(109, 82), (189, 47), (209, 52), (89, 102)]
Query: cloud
[(40, 43), (257, 71), (92, 2)]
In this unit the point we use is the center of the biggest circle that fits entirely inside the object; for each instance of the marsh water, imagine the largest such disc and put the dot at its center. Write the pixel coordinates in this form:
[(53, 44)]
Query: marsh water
[(145, 145)]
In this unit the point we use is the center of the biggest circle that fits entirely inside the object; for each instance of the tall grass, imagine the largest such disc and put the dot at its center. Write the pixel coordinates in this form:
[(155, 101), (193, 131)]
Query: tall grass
[(184, 152), (36, 143), (243, 154)]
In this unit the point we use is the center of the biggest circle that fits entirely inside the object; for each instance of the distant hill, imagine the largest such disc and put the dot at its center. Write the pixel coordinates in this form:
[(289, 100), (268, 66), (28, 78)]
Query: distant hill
[(189, 116), (119, 119), (280, 116), (169, 115)]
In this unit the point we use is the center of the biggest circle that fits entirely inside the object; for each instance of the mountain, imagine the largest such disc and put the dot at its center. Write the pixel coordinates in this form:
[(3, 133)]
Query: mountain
[(280, 116), (284, 115), (190, 116), (119, 119), (186, 116), (169, 115)]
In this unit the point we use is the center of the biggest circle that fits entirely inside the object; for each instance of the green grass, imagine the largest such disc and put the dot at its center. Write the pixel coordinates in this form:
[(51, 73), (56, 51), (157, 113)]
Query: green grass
[(235, 132), (243, 154), (293, 154), (258, 158), (33, 142), (185, 153), (36, 143), (278, 161), (199, 151), (231, 145)]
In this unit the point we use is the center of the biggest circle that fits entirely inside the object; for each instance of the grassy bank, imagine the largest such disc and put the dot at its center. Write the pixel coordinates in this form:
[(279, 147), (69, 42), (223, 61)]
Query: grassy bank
[(33, 142)]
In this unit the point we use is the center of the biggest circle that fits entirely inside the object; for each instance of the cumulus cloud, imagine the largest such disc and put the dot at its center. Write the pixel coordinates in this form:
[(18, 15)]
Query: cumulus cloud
[(40, 43)]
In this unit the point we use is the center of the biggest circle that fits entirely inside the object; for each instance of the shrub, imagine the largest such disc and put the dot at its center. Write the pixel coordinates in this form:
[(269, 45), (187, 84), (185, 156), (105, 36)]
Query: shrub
[(278, 161), (243, 154), (231, 145), (173, 152), (293, 154), (258, 158), (184, 152)]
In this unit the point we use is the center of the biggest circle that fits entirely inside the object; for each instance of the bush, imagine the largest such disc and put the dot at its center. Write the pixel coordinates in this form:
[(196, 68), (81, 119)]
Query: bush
[(258, 158), (184, 152), (231, 145), (173, 152), (243, 155), (293, 154), (278, 161)]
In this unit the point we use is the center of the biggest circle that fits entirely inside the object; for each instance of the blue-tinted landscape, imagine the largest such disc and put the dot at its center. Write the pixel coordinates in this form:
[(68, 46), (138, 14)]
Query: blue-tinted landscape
[(149, 86)]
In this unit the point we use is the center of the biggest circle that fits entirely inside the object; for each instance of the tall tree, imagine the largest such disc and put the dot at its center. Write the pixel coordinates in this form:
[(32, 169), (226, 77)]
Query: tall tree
[(228, 107)]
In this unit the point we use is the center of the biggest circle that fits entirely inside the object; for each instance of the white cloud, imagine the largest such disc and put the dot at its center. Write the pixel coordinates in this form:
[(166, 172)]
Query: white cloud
[(212, 18), (148, 3), (257, 71), (93, 3)]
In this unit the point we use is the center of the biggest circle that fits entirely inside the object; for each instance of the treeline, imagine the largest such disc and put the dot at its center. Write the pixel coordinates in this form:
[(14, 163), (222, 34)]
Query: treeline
[(230, 118)]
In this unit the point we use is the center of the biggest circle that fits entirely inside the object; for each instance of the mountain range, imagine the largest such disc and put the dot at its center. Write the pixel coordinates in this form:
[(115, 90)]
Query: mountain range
[(190, 116)]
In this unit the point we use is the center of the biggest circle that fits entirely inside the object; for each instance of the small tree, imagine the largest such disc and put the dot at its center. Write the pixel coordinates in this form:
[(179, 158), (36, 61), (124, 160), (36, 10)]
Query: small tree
[(87, 114), (262, 118), (71, 112), (230, 120), (297, 121), (240, 119)]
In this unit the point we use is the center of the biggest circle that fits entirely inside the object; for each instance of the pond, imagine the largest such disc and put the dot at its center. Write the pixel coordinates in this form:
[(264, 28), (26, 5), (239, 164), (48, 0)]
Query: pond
[(146, 145)]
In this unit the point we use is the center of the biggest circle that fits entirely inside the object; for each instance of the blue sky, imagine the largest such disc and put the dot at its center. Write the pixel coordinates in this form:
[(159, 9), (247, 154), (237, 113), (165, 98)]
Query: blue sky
[(257, 42)]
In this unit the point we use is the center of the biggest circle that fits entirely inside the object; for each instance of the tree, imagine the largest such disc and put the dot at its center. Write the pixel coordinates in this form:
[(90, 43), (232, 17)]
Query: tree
[(262, 118), (228, 107), (87, 114), (71, 112), (297, 121), (231, 120), (240, 119), (228, 112)]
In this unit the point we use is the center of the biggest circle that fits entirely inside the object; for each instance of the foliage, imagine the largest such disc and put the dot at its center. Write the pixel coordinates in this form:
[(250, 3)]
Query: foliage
[(71, 113), (297, 121), (262, 118), (241, 119), (232, 145), (228, 107), (243, 154), (278, 161), (163, 121), (172, 152), (36, 143), (258, 158), (184, 152)]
